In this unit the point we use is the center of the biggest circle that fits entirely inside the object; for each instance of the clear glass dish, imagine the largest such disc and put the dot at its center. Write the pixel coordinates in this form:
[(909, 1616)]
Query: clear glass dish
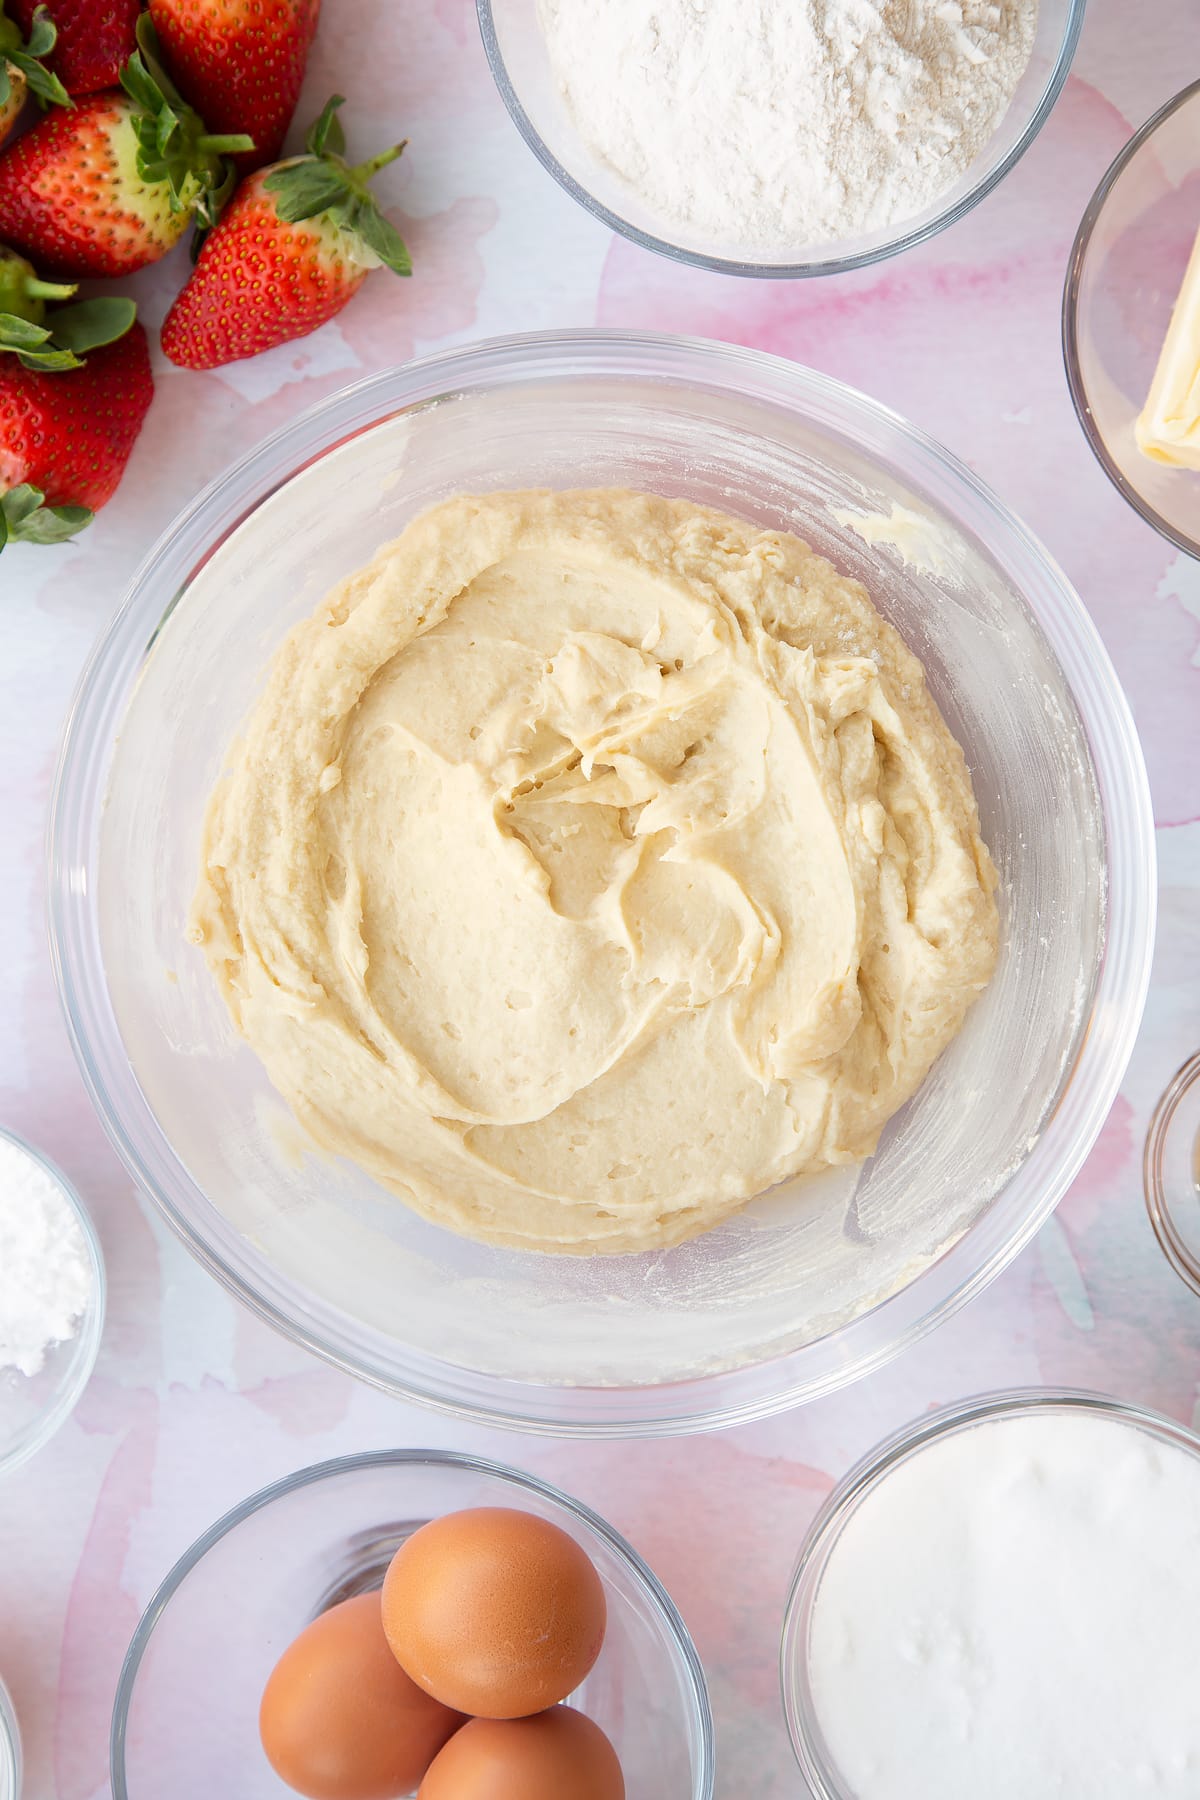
[(1126, 269), (1171, 1172), (516, 51), (815, 1283), (812, 1753), (10, 1749), (185, 1720), (32, 1407)]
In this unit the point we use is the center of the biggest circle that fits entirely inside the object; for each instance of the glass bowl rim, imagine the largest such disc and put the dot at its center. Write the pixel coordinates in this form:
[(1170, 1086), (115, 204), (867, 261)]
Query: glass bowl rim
[(869, 1472), (582, 353), (649, 1587), (1162, 1216), (1070, 322), (830, 265), (86, 1344), (11, 1762)]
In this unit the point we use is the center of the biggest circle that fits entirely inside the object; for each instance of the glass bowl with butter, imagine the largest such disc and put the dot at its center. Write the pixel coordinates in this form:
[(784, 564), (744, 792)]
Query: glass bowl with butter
[(1131, 321), (811, 1284)]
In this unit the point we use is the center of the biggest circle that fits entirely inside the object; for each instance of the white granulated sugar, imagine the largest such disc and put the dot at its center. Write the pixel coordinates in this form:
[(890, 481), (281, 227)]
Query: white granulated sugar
[(1013, 1613), (775, 125), (45, 1269)]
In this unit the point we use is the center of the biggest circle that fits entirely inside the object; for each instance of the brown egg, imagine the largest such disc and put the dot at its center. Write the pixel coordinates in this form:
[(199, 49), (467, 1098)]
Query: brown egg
[(494, 1612), (556, 1755), (340, 1720)]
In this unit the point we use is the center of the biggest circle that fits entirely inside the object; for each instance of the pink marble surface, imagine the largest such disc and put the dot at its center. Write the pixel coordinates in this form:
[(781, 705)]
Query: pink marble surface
[(194, 1404)]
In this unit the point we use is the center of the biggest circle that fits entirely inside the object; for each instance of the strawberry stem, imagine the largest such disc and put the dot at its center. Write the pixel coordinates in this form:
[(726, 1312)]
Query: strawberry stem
[(47, 290), (230, 145), (364, 171)]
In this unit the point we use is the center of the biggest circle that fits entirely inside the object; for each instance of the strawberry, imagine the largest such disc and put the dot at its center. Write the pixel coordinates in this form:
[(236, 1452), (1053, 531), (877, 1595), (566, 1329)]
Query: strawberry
[(292, 247), (23, 69), (67, 425), (111, 184), (240, 63), (95, 39)]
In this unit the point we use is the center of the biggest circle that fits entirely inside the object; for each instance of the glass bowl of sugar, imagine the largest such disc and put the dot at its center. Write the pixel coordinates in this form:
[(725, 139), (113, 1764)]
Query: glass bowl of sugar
[(51, 1300), (761, 140), (1003, 1599)]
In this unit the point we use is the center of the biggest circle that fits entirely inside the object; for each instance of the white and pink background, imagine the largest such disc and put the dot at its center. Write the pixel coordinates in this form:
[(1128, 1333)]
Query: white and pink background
[(194, 1403)]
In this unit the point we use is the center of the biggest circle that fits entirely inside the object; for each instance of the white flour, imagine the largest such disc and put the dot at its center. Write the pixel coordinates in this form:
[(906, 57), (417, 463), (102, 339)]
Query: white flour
[(45, 1270), (772, 125)]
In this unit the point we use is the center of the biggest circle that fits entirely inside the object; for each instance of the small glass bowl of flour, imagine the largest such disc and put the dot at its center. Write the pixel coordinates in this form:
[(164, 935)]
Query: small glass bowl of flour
[(779, 137), (1001, 1601), (51, 1300)]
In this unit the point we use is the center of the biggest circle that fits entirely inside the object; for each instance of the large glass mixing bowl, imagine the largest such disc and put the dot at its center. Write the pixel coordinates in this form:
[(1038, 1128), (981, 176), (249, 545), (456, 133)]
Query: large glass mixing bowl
[(814, 1284)]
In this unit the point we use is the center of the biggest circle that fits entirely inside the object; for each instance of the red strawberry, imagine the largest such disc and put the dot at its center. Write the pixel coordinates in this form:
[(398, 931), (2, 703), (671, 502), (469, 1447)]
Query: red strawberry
[(240, 63), (110, 185), (23, 69), (292, 247), (67, 427), (95, 39)]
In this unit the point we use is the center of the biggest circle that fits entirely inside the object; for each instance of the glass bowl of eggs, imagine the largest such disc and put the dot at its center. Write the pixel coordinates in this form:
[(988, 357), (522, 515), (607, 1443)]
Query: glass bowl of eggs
[(721, 1311), (411, 1619)]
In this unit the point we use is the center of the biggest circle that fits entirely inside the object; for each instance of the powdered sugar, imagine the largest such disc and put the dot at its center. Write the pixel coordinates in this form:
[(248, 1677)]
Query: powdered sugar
[(773, 125), (45, 1270)]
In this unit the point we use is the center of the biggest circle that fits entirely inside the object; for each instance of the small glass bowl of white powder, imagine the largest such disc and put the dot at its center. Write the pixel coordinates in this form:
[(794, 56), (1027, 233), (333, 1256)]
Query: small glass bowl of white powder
[(1004, 1600), (10, 1749), (51, 1301), (779, 137)]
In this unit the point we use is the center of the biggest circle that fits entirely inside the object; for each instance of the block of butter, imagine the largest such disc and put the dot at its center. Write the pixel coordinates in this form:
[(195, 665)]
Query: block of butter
[(1168, 427)]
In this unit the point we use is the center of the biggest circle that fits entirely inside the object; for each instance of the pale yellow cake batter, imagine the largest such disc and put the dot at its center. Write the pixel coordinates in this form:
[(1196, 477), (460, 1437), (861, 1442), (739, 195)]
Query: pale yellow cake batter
[(591, 862)]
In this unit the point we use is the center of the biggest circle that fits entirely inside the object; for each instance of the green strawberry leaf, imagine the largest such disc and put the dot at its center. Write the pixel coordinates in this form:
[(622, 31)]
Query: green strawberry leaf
[(322, 184), (326, 133), (21, 334), (27, 57), (33, 346), (71, 331), (5, 82), (43, 34), (383, 238), (149, 56), (92, 323), (303, 189), (42, 83), (54, 524), (140, 84), (25, 518), (19, 502), (210, 202), (50, 361), (173, 147)]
